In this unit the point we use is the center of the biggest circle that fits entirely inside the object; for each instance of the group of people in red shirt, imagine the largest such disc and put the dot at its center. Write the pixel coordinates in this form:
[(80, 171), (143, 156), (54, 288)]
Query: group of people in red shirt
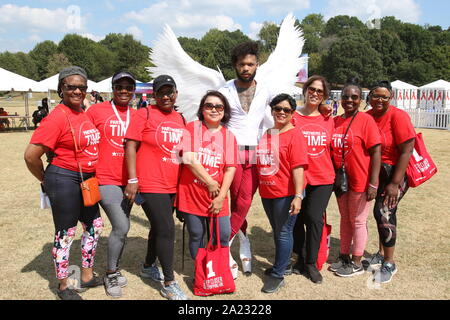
[(136, 156)]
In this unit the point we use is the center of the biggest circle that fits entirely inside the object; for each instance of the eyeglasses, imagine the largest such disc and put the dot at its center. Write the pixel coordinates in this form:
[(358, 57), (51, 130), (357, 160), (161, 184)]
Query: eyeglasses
[(210, 106), (353, 97), (377, 97), (70, 87), (319, 92), (162, 94), (285, 110), (119, 87)]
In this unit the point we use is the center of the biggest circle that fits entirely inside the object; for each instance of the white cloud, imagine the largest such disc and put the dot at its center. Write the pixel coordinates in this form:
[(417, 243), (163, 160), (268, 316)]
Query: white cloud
[(34, 38), (41, 19), (255, 27), (92, 37), (405, 10), (135, 32), (109, 5), (282, 6), (191, 17)]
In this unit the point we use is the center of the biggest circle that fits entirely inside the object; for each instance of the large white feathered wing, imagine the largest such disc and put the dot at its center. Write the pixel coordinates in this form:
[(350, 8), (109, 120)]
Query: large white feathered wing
[(279, 72), (192, 78)]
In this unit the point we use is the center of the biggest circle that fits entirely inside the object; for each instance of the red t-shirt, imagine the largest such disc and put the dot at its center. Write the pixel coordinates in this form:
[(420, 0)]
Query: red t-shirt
[(362, 135), (215, 151), (276, 157), (160, 134), (111, 167), (318, 132), (54, 133), (395, 128)]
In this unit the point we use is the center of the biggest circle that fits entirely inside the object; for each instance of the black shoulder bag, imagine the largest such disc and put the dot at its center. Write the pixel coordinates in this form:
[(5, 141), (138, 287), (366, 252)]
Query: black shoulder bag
[(341, 181)]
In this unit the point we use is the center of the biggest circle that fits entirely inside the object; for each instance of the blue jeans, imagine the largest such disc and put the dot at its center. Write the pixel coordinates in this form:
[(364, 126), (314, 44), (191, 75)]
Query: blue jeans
[(277, 210)]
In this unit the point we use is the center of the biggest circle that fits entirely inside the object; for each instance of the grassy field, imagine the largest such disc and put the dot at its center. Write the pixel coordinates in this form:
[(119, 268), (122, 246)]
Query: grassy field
[(422, 256)]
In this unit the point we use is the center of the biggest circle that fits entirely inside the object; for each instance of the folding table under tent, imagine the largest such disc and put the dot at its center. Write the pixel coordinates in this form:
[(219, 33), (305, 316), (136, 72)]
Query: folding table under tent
[(10, 81)]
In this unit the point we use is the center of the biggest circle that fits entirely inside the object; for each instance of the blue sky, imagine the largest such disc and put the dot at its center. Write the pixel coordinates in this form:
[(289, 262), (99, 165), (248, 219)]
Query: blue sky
[(25, 23)]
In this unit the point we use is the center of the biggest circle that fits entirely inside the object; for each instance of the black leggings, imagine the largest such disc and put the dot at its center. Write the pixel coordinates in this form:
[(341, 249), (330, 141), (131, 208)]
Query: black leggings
[(63, 189), (158, 208), (307, 242), (387, 218)]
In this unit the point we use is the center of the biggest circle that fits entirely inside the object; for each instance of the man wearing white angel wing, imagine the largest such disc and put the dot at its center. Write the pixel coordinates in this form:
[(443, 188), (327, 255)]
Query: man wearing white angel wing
[(249, 96)]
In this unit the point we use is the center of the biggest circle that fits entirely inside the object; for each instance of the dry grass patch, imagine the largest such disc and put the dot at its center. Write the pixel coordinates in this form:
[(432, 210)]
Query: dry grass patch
[(422, 256)]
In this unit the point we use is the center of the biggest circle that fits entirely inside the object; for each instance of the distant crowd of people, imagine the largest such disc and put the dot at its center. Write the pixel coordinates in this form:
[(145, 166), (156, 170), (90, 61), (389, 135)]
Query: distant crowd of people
[(246, 138)]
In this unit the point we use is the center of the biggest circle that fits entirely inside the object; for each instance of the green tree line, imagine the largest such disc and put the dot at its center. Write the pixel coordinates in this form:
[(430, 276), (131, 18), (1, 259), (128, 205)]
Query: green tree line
[(339, 48)]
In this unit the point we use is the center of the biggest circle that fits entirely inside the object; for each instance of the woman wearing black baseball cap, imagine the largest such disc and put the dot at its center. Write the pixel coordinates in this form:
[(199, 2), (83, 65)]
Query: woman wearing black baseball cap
[(151, 149)]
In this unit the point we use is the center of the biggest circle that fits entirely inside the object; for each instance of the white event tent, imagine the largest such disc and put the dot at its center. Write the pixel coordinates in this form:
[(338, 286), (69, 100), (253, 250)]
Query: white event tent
[(52, 83), (435, 95), (10, 81), (404, 95)]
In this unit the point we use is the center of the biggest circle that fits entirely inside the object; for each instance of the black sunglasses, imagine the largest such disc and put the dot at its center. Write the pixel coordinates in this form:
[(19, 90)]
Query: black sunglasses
[(70, 87), (210, 106), (285, 110), (119, 87)]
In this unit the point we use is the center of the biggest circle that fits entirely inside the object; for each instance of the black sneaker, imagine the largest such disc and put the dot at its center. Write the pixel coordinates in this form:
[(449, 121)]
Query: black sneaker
[(68, 294), (373, 262), (94, 282), (341, 261), (272, 284), (312, 273), (299, 267), (287, 272), (349, 270)]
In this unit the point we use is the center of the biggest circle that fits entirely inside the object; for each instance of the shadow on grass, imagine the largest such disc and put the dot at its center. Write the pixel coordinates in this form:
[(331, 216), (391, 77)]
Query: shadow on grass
[(132, 258)]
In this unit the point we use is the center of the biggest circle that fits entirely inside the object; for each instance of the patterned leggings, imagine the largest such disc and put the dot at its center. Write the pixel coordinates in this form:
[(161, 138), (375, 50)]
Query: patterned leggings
[(386, 218), (63, 189)]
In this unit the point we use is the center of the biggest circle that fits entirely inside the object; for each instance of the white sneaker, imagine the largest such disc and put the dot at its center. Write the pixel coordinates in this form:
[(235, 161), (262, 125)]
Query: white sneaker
[(245, 253), (233, 265)]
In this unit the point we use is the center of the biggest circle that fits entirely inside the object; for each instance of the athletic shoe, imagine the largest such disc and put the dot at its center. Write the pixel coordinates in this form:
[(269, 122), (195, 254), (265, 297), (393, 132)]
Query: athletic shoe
[(374, 262), (68, 294), (272, 284), (385, 274), (121, 279), (312, 273), (173, 292), (152, 272), (349, 270), (287, 272), (96, 281), (299, 267), (341, 261), (112, 286)]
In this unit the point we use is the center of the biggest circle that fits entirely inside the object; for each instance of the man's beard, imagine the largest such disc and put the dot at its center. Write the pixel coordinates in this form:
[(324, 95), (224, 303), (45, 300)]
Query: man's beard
[(250, 79)]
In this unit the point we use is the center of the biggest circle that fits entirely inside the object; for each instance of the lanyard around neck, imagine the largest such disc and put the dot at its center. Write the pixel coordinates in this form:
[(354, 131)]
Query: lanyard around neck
[(127, 120)]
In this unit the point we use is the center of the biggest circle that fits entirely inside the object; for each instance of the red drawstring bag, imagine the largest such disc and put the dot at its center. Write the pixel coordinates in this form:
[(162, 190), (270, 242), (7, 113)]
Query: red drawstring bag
[(325, 243), (212, 269), (420, 167)]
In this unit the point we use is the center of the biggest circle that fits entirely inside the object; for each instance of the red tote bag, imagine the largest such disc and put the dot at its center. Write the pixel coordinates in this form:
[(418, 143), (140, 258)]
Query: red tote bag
[(325, 243), (420, 167), (212, 269)]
